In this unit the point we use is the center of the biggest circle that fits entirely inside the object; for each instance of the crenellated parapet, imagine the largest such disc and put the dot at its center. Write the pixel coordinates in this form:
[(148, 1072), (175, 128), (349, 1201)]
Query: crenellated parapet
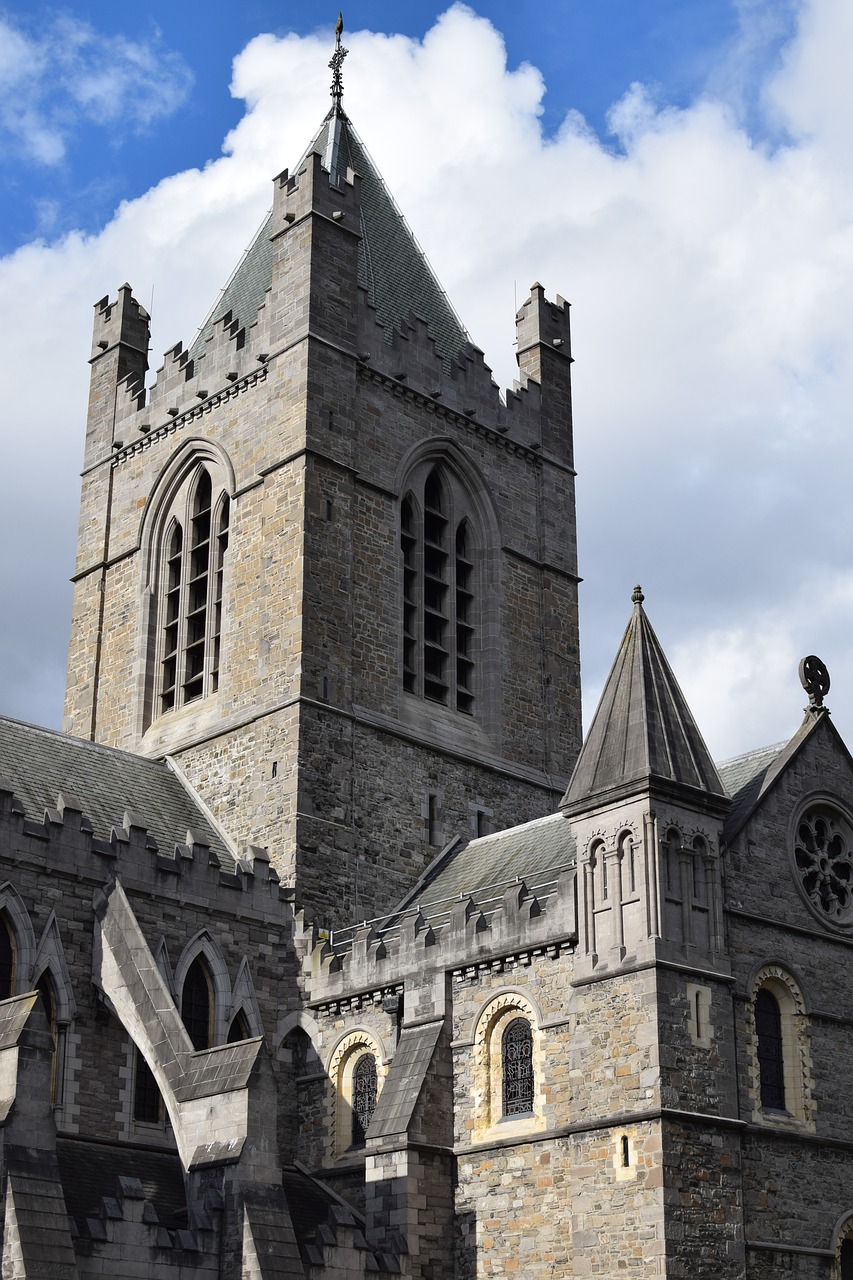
[(415, 944), (64, 839)]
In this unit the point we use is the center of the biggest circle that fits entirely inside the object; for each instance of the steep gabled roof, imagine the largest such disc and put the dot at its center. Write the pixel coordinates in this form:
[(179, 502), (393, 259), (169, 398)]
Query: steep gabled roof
[(391, 265), (38, 764), (643, 730), (752, 776)]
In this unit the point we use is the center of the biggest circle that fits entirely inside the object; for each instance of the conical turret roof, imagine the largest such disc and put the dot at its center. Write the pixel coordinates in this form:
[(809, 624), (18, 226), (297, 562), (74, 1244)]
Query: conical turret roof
[(391, 264), (643, 730)]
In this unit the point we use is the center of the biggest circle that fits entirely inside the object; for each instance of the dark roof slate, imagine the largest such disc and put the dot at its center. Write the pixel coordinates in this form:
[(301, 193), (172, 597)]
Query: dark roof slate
[(391, 265), (398, 1099), (643, 729), (39, 764), (91, 1170), (744, 777), (532, 852)]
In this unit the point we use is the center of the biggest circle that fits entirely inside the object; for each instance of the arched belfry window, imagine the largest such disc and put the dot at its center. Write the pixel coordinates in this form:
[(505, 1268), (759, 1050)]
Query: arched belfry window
[(517, 1068), (364, 1084), (192, 563), (439, 545)]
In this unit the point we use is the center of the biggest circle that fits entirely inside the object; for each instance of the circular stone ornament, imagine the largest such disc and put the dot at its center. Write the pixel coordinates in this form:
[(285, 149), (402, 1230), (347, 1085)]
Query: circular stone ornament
[(814, 677), (823, 855)]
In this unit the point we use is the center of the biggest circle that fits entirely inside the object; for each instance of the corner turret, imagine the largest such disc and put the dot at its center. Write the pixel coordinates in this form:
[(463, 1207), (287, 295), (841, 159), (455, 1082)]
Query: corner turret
[(120, 339), (544, 354)]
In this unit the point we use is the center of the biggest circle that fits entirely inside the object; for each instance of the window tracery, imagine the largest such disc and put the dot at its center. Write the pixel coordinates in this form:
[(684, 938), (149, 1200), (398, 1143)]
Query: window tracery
[(356, 1071), (823, 854), (517, 1068), (364, 1084)]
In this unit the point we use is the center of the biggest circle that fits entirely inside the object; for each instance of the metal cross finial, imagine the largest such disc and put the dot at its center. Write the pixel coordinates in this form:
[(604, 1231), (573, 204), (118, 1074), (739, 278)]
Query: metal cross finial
[(336, 66)]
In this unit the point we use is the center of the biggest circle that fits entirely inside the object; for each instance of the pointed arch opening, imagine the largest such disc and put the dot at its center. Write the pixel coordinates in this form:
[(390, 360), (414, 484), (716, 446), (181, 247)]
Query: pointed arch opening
[(186, 532), (448, 587), (8, 958), (197, 1003), (47, 991), (364, 1093)]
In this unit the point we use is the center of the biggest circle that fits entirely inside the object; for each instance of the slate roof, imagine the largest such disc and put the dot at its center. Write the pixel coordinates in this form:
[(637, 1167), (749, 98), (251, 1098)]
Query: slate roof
[(744, 777), (643, 728), (398, 1099), (391, 265), (534, 852), (39, 763), (91, 1170)]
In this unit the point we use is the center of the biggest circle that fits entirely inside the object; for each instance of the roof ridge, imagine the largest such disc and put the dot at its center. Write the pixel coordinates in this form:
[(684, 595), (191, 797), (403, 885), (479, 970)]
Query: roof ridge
[(89, 743)]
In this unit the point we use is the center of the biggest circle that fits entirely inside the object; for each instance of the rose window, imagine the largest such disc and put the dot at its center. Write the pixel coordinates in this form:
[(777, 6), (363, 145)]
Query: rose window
[(822, 850)]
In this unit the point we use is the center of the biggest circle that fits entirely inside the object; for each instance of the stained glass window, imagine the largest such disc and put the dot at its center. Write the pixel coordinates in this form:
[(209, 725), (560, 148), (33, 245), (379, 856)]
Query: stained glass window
[(517, 1059), (363, 1097)]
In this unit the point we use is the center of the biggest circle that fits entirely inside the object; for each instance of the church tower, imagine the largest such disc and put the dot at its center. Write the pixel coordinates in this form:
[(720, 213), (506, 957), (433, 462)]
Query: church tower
[(323, 566)]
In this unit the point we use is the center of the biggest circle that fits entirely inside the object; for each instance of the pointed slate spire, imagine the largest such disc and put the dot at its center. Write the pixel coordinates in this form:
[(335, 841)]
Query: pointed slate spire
[(643, 730), (392, 267)]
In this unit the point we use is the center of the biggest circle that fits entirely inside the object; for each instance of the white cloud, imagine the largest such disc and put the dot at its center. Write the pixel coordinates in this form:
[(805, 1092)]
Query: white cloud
[(710, 275), (64, 73)]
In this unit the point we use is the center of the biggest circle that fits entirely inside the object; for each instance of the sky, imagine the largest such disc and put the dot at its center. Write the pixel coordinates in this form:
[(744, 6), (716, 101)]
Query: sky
[(681, 172)]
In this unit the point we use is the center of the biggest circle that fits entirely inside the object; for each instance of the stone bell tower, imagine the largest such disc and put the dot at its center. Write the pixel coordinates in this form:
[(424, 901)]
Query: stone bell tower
[(323, 566)]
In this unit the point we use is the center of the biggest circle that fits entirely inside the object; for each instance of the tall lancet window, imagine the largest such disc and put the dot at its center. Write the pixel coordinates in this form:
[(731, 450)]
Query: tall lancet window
[(438, 545), (192, 565)]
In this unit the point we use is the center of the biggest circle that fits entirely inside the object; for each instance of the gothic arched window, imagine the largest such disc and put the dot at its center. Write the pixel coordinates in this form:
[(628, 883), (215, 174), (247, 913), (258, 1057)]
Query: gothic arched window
[(517, 1068), (147, 1099), (197, 1004), (192, 561), (771, 1063), (439, 548), (239, 1028), (7, 959), (44, 987), (364, 1085)]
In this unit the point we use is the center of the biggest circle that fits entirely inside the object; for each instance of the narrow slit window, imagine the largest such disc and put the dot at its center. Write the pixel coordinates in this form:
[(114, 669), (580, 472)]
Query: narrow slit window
[(147, 1099), (771, 1065)]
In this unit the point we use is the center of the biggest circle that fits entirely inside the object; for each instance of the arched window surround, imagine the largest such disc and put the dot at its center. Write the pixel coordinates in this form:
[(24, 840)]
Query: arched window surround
[(170, 503), (22, 936), (203, 945), (787, 991), (471, 612), (342, 1064), (842, 1247), (492, 1022)]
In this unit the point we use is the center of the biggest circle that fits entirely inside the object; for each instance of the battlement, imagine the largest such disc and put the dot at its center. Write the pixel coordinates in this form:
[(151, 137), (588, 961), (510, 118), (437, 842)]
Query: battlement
[(65, 840), (519, 923), (122, 322), (314, 190)]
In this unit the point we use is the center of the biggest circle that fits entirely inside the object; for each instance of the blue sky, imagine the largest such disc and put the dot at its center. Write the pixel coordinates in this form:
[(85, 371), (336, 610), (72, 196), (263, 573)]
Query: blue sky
[(177, 115), (681, 172)]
